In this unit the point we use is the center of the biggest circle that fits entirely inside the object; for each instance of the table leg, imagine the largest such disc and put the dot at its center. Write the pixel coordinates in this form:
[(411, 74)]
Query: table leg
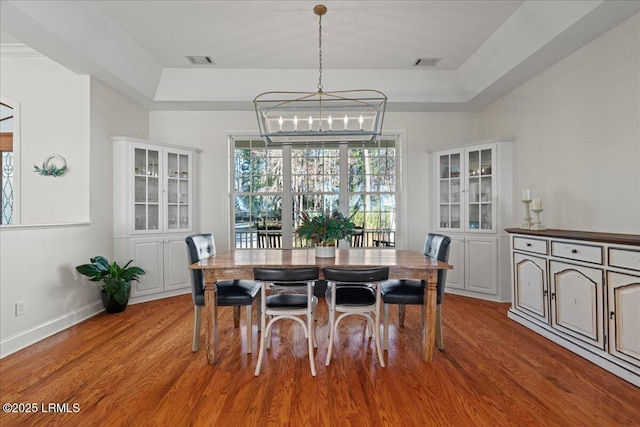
[(430, 297), (211, 317)]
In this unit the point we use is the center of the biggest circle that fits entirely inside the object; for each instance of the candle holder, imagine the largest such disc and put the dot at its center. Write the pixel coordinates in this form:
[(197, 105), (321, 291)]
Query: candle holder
[(527, 215), (537, 224)]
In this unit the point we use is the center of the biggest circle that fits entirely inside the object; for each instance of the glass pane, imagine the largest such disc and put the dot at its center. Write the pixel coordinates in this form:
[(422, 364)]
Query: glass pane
[(485, 185), (141, 189), (183, 166), (485, 157), (141, 217), (184, 192), (184, 216), (172, 165), (474, 163), (474, 216), (455, 216), (455, 191), (153, 190), (485, 219), (172, 217), (154, 216), (444, 167), (455, 165), (172, 188), (444, 216), (474, 190), (7, 188), (152, 168), (444, 191), (140, 161)]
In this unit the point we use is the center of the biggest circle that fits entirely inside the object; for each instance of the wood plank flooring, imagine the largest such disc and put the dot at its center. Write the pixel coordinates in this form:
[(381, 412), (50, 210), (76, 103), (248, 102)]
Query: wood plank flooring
[(137, 369)]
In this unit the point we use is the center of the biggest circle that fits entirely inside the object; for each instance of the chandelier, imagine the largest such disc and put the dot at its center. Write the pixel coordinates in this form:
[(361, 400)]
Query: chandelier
[(341, 116)]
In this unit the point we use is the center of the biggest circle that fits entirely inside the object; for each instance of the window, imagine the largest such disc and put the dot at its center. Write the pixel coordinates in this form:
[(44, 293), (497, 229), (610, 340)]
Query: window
[(7, 171), (357, 180)]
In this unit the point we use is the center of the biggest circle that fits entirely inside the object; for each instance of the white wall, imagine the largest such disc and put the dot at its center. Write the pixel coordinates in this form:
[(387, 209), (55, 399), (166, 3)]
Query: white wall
[(577, 129), (37, 261), (209, 131), (54, 118)]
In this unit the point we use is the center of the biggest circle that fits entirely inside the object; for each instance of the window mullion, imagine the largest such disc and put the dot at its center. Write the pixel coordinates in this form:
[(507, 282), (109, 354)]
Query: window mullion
[(287, 199), (343, 196)]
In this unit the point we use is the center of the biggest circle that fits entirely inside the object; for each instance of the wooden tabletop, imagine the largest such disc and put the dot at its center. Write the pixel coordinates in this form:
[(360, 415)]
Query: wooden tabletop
[(345, 258)]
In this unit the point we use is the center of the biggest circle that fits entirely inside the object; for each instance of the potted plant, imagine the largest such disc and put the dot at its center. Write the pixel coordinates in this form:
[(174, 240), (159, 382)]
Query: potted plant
[(116, 281), (324, 230)]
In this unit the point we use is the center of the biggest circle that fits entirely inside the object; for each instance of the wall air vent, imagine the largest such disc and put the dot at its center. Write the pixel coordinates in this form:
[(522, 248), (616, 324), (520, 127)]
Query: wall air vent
[(426, 62), (200, 60)]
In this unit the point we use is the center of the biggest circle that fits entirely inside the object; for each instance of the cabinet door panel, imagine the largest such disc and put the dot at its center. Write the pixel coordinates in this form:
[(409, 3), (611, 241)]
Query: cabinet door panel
[(531, 290), (577, 302), (481, 261), (176, 265), (148, 254), (455, 277), (624, 316)]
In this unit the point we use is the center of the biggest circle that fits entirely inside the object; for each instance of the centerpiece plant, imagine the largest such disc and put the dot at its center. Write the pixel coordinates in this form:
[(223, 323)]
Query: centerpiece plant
[(324, 230)]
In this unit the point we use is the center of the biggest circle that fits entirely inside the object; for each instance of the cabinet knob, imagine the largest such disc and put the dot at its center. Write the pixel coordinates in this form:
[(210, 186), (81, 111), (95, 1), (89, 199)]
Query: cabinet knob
[(553, 295), (574, 251), (528, 244), (611, 315)]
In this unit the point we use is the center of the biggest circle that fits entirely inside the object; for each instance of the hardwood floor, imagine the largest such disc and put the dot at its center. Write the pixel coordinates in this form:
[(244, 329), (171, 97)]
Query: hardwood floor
[(137, 368)]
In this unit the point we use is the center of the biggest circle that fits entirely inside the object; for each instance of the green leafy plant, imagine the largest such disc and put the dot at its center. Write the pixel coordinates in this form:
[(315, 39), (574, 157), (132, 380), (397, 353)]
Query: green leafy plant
[(325, 229), (50, 170), (116, 280)]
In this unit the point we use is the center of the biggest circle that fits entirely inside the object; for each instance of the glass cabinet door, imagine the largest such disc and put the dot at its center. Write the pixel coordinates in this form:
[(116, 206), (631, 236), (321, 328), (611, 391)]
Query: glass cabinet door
[(178, 191), (480, 189), (449, 196), (146, 190)]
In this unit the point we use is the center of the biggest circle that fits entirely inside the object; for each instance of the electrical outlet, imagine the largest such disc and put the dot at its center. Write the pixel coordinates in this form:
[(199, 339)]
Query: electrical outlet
[(20, 308)]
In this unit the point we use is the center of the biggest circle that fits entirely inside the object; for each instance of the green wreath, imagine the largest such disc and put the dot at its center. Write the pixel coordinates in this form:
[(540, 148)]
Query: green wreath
[(50, 168)]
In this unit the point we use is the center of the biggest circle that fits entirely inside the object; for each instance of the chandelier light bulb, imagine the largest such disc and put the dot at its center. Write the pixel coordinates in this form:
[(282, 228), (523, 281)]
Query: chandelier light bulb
[(361, 120), (310, 122), (329, 120), (295, 123), (346, 122), (280, 121)]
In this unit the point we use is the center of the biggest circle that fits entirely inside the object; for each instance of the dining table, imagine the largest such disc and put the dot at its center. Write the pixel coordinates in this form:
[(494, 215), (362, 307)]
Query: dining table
[(239, 264)]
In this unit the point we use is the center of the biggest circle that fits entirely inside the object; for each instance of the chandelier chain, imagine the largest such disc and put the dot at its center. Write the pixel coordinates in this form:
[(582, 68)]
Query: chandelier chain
[(320, 52)]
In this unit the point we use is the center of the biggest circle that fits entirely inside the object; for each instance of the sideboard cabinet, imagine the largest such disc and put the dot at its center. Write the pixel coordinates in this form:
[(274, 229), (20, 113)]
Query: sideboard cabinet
[(472, 187), (582, 291), (154, 209)]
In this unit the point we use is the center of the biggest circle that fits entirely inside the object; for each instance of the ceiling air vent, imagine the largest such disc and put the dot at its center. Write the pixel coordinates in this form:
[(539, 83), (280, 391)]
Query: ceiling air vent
[(200, 60), (426, 62)]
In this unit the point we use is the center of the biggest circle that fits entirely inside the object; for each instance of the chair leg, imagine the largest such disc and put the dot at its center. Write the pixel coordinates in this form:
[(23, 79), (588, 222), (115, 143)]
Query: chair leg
[(385, 327), (236, 316), (196, 328), (332, 326), (249, 326), (401, 314), (310, 340), (439, 338)]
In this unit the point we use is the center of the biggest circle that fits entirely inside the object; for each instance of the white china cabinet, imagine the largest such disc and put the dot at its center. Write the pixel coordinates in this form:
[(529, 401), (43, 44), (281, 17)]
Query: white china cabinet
[(154, 209), (582, 291), (472, 206)]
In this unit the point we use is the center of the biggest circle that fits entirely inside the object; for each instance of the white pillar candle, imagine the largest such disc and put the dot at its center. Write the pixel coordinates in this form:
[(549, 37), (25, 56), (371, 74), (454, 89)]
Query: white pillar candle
[(537, 204), (526, 195)]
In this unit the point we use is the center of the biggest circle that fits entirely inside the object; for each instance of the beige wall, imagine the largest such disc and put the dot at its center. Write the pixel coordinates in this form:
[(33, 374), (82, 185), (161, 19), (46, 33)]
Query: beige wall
[(577, 135)]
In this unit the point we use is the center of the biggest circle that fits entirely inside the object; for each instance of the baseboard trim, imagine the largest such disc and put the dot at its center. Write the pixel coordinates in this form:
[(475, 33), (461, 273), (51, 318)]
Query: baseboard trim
[(31, 336)]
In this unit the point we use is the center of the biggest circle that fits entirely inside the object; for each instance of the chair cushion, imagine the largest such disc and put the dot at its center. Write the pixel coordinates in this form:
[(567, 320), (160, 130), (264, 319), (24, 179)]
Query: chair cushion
[(403, 292), (233, 292), (286, 301), (354, 296)]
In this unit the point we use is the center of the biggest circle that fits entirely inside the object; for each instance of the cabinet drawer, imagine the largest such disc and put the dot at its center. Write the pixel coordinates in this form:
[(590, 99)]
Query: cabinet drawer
[(624, 258), (530, 245), (577, 252)]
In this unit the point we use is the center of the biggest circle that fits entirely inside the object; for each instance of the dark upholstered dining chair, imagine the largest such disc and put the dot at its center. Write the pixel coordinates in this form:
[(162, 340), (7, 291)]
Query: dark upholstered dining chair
[(284, 305), (236, 293), (404, 291), (355, 292)]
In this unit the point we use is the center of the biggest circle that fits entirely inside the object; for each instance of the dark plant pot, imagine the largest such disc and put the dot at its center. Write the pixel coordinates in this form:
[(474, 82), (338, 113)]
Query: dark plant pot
[(112, 306)]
